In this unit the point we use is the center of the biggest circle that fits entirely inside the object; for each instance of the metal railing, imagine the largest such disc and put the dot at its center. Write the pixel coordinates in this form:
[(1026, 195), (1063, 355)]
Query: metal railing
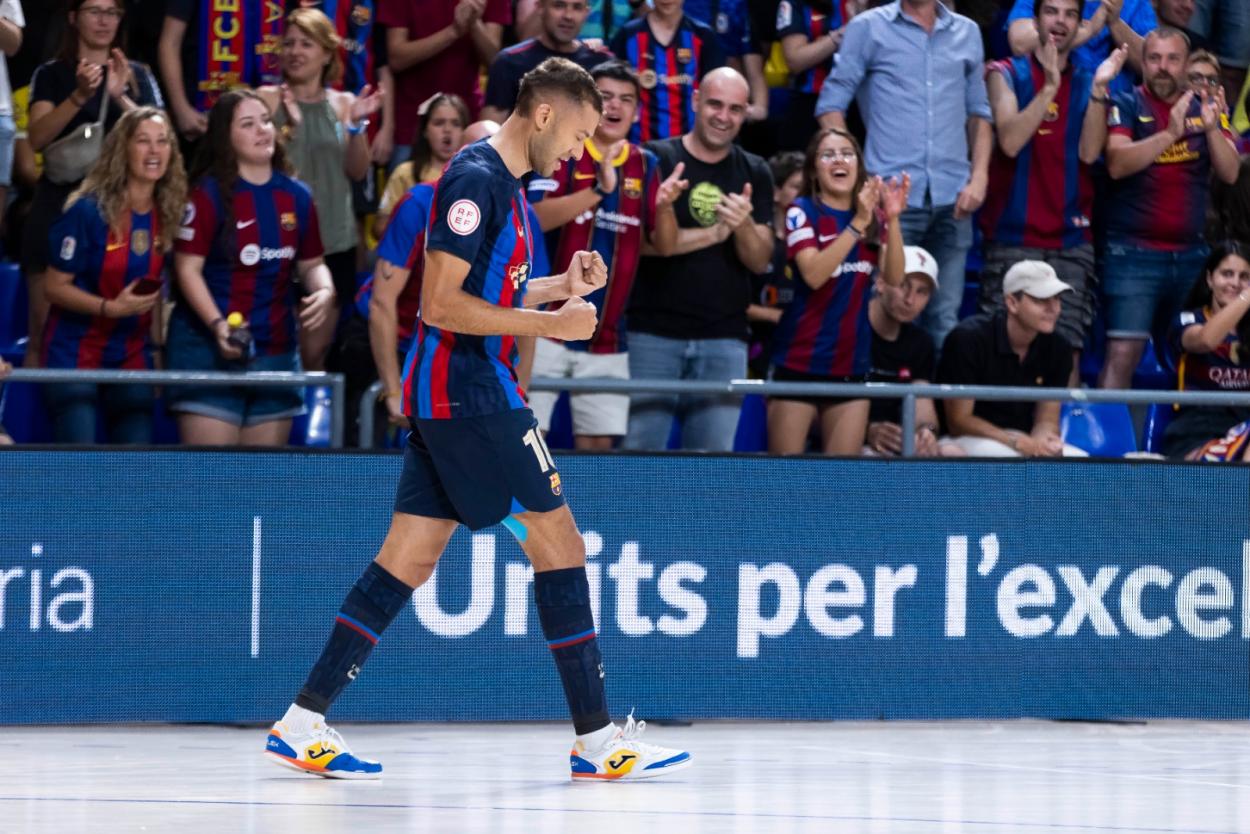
[(215, 379), (907, 392)]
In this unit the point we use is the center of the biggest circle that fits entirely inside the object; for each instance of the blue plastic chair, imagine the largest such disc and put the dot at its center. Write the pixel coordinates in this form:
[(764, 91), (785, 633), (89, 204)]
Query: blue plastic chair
[(1151, 373), (1158, 415), (752, 433), (1104, 430)]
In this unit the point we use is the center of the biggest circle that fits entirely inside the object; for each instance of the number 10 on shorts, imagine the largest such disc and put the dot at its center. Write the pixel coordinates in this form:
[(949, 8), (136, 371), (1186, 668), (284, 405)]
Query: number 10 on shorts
[(534, 439)]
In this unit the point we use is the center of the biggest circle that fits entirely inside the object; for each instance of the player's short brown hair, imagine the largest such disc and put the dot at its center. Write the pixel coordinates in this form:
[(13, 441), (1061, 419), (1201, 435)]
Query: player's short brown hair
[(557, 76)]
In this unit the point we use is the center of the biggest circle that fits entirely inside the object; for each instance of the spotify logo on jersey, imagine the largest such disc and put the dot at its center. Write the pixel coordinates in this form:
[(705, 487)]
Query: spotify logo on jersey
[(250, 255), (704, 198)]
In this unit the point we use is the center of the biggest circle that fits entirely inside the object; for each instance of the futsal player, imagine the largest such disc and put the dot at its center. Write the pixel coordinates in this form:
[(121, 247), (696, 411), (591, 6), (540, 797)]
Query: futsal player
[(475, 455)]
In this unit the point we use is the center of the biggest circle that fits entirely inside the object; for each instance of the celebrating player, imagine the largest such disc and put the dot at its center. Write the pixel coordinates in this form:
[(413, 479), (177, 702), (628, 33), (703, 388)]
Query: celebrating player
[(475, 455)]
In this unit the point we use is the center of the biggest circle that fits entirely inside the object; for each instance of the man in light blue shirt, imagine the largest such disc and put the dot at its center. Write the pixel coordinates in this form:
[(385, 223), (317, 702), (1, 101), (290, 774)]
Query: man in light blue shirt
[(917, 71)]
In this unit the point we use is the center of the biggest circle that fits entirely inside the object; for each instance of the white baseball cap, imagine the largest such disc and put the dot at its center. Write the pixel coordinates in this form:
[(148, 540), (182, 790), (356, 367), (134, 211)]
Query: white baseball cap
[(1034, 278), (917, 260)]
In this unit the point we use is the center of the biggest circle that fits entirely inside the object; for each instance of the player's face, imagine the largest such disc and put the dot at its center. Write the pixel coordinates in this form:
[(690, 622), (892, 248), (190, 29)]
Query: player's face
[(908, 300), (1229, 279), (1163, 64), (1039, 314), (97, 22), (1058, 20), (563, 135), (837, 166), (562, 19), (444, 132), (252, 132), (620, 107), (788, 191), (719, 112), (302, 57), (148, 151)]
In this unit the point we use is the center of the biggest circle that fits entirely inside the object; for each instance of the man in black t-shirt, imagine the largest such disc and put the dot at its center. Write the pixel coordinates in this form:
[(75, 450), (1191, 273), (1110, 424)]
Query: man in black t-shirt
[(1015, 347), (687, 318), (562, 22), (902, 352)]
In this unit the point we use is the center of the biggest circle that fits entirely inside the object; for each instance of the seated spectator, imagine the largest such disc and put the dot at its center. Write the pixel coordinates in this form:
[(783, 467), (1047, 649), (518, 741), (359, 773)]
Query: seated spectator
[(810, 32), (248, 231), (1041, 196), (611, 201), (903, 353), (1107, 25), (441, 123), (325, 139), (773, 290), (89, 77), (438, 46), (670, 51), (824, 334), (105, 270), (1017, 346), (687, 314), (558, 38), (1163, 144), (1210, 340), (5, 368)]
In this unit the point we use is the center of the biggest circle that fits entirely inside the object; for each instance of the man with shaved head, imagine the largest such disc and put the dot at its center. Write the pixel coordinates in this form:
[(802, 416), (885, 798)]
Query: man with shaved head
[(688, 315)]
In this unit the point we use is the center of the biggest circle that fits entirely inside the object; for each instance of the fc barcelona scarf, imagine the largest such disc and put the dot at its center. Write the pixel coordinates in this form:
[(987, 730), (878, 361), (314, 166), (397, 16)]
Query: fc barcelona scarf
[(239, 45)]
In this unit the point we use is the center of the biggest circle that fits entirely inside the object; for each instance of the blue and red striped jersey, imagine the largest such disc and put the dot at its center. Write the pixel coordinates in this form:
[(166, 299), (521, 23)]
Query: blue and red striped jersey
[(1043, 197), (103, 262), (479, 215), (826, 332), (795, 17), (1227, 368), (669, 74), (1164, 206), (403, 244), (353, 20), (614, 229), (251, 250)]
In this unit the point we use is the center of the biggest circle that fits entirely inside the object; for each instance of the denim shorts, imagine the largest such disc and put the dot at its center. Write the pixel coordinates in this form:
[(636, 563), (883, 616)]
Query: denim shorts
[(1145, 288), (190, 349), (8, 133)]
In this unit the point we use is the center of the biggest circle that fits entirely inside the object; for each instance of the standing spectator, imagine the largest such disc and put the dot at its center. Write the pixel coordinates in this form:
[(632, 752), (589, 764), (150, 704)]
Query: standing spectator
[(687, 316), (1179, 14), (247, 230), (670, 53), (611, 201), (440, 130), (90, 73), (917, 71), (562, 22), (824, 334), (773, 290), (1162, 146), (207, 48), (1107, 25), (438, 46), (1226, 26), (603, 18), (1210, 342), (1018, 347), (1041, 194), (903, 353), (810, 32), (11, 23), (325, 138), (731, 21), (106, 265)]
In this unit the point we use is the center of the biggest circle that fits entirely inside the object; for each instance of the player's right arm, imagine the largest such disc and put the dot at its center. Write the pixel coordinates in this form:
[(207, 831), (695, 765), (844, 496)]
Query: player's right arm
[(389, 282)]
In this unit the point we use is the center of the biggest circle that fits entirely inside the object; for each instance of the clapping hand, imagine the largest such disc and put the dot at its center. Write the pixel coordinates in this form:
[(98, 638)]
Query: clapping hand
[(607, 171), (119, 73), (366, 104), (735, 209), (1179, 115), (867, 200), (1110, 68), (1213, 109), (894, 195), (587, 272)]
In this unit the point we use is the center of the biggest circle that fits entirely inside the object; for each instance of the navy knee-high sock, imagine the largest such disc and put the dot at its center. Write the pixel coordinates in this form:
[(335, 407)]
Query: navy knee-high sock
[(371, 604), (563, 598)]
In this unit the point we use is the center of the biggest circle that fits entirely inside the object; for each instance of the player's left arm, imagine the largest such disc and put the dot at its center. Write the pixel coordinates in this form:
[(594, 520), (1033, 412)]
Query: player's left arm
[(587, 272)]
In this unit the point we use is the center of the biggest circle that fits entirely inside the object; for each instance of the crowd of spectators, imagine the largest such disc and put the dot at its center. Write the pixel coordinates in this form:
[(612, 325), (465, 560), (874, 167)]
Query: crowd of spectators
[(796, 189)]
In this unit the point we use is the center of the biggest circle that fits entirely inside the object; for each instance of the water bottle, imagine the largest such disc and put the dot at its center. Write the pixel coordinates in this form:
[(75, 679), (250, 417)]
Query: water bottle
[(239, 335)]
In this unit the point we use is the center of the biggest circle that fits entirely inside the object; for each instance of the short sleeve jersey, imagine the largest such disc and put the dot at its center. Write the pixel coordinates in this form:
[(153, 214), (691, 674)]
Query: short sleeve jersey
[(250, 247), (479, 215), (403, 244), (1227, 368), (730, 19), (795, 17), (103, 262), (614, 229), (1138, 14), (825, 331)]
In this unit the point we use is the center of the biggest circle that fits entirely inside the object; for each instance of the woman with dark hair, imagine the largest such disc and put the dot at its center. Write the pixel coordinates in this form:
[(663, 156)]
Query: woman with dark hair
[(248, 229), (824, 336), (1210, 340), (106, 265), (89, 76), (325, 135), (442, 120)]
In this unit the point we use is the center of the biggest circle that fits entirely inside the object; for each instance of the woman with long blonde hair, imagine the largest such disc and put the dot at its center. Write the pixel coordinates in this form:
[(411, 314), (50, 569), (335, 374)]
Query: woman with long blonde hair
[(106, 257)]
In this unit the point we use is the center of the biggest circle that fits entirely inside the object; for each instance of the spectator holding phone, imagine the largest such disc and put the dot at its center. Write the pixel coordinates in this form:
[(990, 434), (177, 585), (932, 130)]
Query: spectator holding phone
[(105, 262)]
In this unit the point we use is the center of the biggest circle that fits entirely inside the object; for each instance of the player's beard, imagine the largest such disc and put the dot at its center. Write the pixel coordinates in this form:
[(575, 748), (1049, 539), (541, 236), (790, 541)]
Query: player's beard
[(542, 157)]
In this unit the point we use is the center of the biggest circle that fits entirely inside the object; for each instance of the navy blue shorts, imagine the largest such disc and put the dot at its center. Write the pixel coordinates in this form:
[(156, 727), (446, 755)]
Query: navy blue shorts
[(478, 470)]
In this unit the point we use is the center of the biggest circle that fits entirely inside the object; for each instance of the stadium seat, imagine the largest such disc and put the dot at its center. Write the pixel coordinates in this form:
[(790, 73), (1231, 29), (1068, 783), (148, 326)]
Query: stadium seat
[(752, 434), (1103, 429), (313, 428), (1158, 415), (12, 305), (1150, 373)]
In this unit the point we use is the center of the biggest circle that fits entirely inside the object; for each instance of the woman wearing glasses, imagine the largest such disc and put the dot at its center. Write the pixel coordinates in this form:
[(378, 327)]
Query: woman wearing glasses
[(835, 244), (67, 94)]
